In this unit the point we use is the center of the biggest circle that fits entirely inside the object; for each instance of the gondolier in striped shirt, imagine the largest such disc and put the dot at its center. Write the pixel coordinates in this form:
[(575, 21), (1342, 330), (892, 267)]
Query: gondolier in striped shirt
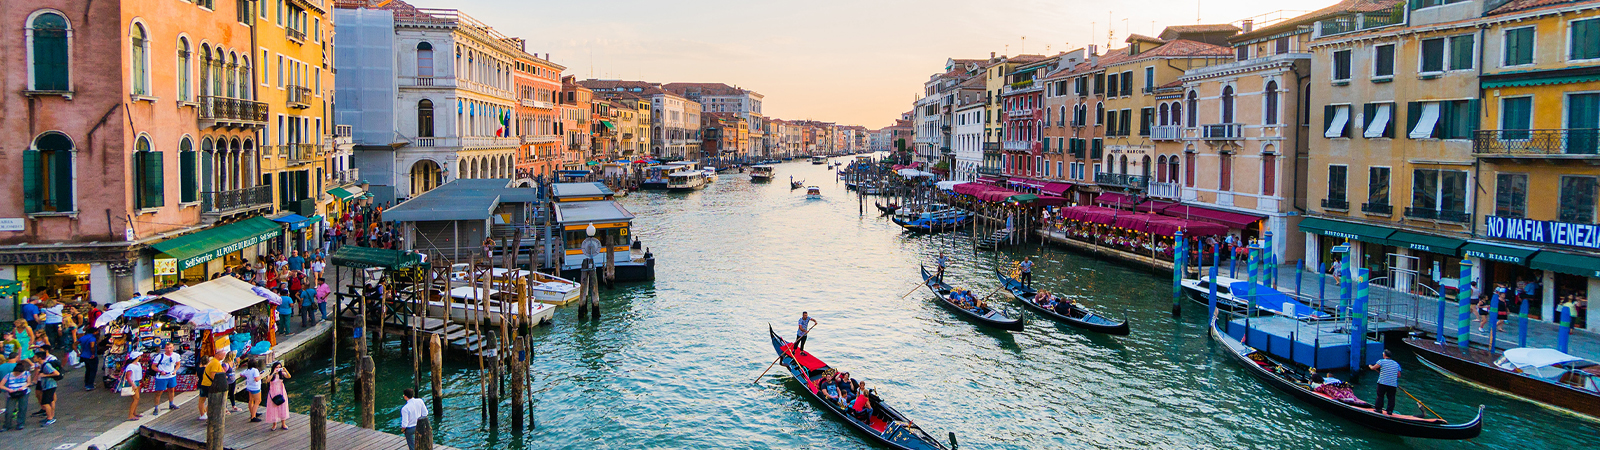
[(1388, 382), (941, 261), (806, 324), (1027, 271)]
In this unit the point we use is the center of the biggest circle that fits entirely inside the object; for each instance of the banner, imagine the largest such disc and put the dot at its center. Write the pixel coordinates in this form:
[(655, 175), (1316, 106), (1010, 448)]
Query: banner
[(1543, 231)]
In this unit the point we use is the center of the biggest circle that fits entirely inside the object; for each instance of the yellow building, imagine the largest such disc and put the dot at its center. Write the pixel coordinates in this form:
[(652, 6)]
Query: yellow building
[(996, 71), (295, 50), (1132, 75)]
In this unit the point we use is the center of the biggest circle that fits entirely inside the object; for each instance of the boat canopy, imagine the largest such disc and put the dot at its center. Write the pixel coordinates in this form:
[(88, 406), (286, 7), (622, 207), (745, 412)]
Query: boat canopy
[(913, 173), (948, 184), (1529, 359)]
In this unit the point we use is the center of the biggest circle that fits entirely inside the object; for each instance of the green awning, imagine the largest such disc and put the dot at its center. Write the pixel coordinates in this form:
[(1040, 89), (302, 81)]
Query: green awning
[(366, 257), (1427, 242), (341, 193), (10, 287), (1568, 263), (1347, 230), (1022, 198), (1501, 253), (197, 248), (1546, 81), (608, 124)]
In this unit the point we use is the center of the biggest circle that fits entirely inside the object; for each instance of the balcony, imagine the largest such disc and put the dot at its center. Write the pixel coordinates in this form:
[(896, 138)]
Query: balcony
[(1166, 190), (299, 154), (542, 139), (1124, 180), (448, 82), (1382, 209), (1336, 204), (299, 97), (1438, 215), (1581, 143), (1394, 15), (342, 134), (1166, 133), (531, 103), (230, 112), (989, 171), (295, 35), (1222, 131), (1016, 146), (225, 203), (344, 177)]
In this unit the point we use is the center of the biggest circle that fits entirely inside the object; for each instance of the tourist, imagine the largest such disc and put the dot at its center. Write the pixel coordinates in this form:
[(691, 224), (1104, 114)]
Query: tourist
[(48, 374), (252, 386), (296, 263), (16, 384), (409, 413), (213, 367), (88, 354), (132, 374), (1027, 271), (1388, 382), (488, 246), (52, 320), (322, 296), (827, 388), (800, 336), (863, 405), (10, 347), (25, 337), (277, 412), (285, 310), (31, 311), (317, 268), (308, 301), (166, 366)]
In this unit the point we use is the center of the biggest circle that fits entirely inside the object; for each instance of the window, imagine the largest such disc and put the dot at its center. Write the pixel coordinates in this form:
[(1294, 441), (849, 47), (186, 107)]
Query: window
[(1149, 79), (1127, 83), (1518, 46), (425, 118), (1280, 45), (1099, 114), (47, 174), (50, 56), (1378, 185), (1188, 169), (185, 71), (1242, 52), (280, 71), (1455, 119), (1177, 114), (1341, 65), (1584, 43), (1511, 195), (147, 170), (424, 59), (1336, 121), (1227, 104), (1578, 195), (1269, 174), (1377, 117), (1271, 94), (1433, 55), (1099, 83), (1336, 183), (1225, 171), (1146, 117), (1439, 190), (140, 59), (1461, 52), (316, 30), (1516, 117), (188, 162), (1194, 100), (1125, 126), (1111, 85), (1383, 61)]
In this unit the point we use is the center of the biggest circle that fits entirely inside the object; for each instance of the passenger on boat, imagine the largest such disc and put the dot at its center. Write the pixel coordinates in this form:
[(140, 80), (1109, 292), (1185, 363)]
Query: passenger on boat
[(1064, 306), (828, 389), (862, 405), (1045, 300)]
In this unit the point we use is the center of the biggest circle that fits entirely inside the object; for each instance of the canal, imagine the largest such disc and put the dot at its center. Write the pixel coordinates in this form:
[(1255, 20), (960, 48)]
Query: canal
[(670, 364)]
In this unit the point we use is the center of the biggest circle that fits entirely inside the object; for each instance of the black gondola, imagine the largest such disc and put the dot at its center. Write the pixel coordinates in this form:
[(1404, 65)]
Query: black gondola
[(886, 425), (1075, 315), (886, 209), (992, 317), (1292, 381)]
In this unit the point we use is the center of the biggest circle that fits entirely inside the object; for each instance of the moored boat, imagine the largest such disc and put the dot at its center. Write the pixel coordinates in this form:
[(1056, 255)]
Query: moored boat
[(1292, 381), (886, 209), (1233, 295), (819, 160), (686, 181), (1068, 313), (886, 425), (1541, 375), (984, 315), (942, 220)]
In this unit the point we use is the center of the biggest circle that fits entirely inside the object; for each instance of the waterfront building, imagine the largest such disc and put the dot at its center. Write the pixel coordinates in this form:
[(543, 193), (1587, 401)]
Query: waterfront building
[(577, 114), (722, 98), (968, 140), (407, 140), (296, 57), (1026, 117), (997, 69), (931, 139), (131, 124), (1078, 131), (673, 135), (1228, 139), (538, 81)]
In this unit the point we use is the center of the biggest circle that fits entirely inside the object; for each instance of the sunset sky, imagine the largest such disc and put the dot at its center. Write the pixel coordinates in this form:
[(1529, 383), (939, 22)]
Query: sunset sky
[(854, 62)]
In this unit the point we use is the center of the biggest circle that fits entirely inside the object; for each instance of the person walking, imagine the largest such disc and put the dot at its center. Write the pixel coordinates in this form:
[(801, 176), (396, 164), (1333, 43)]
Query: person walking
[(286, 310), (53, 311), (409, 413), (15, 384), (1388, 382), (308, 304), (252, 386), (46, 376), (166, 366), (277, 412), (1027, 271), (132, 374), (87, 352), (213, 367), (800, 336), (296, 263), (322, 297)]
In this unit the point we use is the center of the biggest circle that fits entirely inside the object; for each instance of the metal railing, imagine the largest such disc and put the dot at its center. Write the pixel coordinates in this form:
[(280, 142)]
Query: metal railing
[(488, 142), (222, 201), (1119, 179), (301, 153), (1584, 142), (299, 97), (1165, 190), (295, 34), (1377, 208), (1394, 15), (218, 109), (344, 177), (428, 81), (1442, 215), (1221, 131), (1015, 145), (1166, 132), (1336, 203)]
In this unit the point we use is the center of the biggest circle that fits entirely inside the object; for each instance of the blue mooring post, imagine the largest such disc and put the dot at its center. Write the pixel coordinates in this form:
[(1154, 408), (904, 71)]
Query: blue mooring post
[(1522, 324), (1438, 336), (1253, 262), (1344, 283), (1464, 307), (1494, 320), (1566, 329), (1233, 265), (1211, 297), (1322, 284), (1178, 267), (1358, 324), (1269, 263), (1299, 270)]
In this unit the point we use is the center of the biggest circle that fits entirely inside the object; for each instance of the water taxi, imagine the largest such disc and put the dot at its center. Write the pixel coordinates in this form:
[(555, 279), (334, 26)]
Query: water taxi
[(819, 160), (660, 176), (761, 173), (813, 193), (710, 174), (544, 288), (686, 181), (612, 224)]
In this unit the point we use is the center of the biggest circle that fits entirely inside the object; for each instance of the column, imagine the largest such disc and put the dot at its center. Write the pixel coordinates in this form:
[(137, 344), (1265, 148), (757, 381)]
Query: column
[(1547, 308), (102, 290), (1402, 278), (1313, 254), (1594, 294)]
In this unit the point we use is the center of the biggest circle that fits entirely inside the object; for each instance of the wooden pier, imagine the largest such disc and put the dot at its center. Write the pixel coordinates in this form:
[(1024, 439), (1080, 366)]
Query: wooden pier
[(180, 429)]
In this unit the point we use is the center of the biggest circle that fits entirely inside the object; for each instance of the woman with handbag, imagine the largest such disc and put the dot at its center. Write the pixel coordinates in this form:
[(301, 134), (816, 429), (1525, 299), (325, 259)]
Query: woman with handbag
[(277, 412), (132, 373)]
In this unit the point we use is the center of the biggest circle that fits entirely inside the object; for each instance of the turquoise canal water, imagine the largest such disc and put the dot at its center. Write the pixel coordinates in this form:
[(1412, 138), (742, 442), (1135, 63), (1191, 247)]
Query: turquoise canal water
[(670, 363)]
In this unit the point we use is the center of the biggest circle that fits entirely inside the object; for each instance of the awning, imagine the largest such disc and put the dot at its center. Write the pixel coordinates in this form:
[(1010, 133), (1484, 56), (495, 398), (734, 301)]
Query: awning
[(1336, 125), (984, 192), (1029, 183), (1347, 230), (1116, 199), (291, 218), (1499, 252), (1567, 263), (1229, 218), (226, 294), (608, 124), (1078, 212), (1153, 206), (197, 248), (1547, 81), (1380, 122), (1022, 198), (366, 257), (991, 180), (1051, 200), (10, 287), (1426, 122), (1056, 188), (1427, 242), (347, 193), (948, 184)]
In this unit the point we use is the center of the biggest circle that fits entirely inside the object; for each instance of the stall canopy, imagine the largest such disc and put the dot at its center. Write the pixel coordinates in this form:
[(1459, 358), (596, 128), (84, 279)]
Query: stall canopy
[(1078, 212), (226, 294), (349, 192), (298, 222), (913, 173), (1168, 226), (368, 257), (1347, 230), (984, 192), (1051, 200), (948, 184), (1153, 206), (1567, 263), (197, 248), (1116, 200), (1229, 218), (991, 180), (1056, 189)]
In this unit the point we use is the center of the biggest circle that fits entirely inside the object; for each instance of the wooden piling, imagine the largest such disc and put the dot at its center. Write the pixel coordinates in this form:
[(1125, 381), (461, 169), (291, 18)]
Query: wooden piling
[(216, 417), (424, 433), (436, 357), (319, 423), (366, 385), (494, 401)]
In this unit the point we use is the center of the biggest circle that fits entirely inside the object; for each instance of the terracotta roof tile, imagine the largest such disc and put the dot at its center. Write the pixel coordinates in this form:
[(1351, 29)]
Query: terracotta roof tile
[(1184, 47), (1172, 32), (1523, 5), (1140, 37)]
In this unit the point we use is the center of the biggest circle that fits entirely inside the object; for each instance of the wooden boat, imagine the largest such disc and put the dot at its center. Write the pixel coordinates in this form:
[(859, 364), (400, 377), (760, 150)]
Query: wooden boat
[(934, 221), (992, 317), (544, 288), (813, 193), (1291, 381), (886, 209), (1075, 315), (1540, 375), (887, 425), (463, 306), (796, 184)]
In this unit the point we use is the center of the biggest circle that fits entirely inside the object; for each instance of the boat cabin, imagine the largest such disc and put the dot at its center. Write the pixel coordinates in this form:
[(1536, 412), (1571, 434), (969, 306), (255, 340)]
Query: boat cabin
[(580, 192), (453, 219)]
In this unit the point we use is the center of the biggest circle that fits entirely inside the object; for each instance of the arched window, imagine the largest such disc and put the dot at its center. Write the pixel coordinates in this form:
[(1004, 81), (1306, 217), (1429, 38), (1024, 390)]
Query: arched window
[(233, 77), (140, 59), (424, 59), (47, 174), (1122, 165), (1099, 113), (1177, 114), (185, 68), (1172, 169), (1227, 104), (51, 60), (1272, 103), (1161, 169), (205, 71), (425, 118), (208, 167), (1194, 102), (188, 175), (148, 173), (215, 68), (244, 77), (1144, 167), (1161, 119)]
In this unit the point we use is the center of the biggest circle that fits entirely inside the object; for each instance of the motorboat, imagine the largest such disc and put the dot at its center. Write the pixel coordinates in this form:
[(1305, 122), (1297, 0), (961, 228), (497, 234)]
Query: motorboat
[(1233, 294), (686, 181), (1543, 375), (761, 173), (813, 193), (542, 287), (819, 160), (710, 174)]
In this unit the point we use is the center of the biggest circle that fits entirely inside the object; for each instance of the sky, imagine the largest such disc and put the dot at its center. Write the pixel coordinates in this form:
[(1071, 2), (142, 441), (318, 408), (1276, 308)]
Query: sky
[(854, 62)]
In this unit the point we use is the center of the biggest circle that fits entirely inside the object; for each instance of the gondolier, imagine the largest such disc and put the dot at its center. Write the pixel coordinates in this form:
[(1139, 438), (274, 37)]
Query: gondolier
[(1027, 271), (941, 261), (1388, 383), (800, 335)]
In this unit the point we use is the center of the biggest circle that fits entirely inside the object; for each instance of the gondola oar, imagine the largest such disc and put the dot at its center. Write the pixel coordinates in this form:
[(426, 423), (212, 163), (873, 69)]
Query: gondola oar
[(1419, 403), (769, 368)]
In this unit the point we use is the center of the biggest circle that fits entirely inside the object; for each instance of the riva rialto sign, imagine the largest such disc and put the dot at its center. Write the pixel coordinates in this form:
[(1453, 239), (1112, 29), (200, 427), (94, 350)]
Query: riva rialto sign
[(1543, 231)]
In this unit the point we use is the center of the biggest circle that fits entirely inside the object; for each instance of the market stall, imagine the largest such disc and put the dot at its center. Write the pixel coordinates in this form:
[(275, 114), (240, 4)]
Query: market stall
[(224, 313)]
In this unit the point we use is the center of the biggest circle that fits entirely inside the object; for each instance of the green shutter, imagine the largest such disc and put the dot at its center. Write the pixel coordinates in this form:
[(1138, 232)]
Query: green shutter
[(30, 181), (187, 163), (1461, 53), (1585, 39), (61, 193), (50, 53), (152, 173), (1413, 111), (1367, 112), (283, 191), (1474, 119)]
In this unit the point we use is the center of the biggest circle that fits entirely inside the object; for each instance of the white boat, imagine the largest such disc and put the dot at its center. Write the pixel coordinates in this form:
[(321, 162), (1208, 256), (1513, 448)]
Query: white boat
[(761, 173), (813, 192), (463, 306), (819, 160), (711, 174), (686, 181), (542, 287)]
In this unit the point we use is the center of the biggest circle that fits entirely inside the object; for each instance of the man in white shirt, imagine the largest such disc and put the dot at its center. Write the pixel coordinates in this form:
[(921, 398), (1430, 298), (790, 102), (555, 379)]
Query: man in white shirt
[(413, 410), (166, 367)]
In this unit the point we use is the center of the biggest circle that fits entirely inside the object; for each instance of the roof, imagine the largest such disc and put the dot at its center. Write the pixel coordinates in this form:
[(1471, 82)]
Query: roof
[(1139, 37), (1173, 32), (600, 211), (704, 89), (1522, 5), (590, 189), (460, 199), (1185, 47), (367, 257), (1341, 8), (199, 247)]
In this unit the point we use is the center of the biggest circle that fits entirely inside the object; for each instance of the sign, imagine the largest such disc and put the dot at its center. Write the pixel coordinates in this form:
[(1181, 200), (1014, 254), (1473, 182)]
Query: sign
[(1543, 231), (1494, 257), (166, 266), (228, 249), (12, 224), (43, 257)]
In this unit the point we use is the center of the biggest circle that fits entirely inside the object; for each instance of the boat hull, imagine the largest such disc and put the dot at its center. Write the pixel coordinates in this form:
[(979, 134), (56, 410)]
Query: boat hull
[(942, 291), (1479, 369), (626, 272), (543, 313), (1025, 295)]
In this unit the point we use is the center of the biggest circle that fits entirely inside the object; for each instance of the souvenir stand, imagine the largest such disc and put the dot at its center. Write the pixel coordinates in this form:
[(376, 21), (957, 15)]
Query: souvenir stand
[(222, 313)]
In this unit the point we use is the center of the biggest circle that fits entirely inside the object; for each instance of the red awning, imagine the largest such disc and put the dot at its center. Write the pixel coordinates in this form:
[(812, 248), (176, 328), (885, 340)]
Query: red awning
[(1076, 212), (1231, 219), (1056, 188), (1051, 200), (984, 192), (1116, 200), (1103, 216), (1167, 226), (1152, 206), (991, 180), (1029, 183)]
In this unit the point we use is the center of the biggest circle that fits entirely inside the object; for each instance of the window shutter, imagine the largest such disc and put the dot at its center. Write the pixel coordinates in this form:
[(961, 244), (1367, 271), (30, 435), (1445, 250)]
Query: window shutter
[(1327, 117), (1413, 111), (206, 173), (187, 165), (1444, 128), (61, 193), (30, 181), (1367, 112), (150, 177), (1473, 121)]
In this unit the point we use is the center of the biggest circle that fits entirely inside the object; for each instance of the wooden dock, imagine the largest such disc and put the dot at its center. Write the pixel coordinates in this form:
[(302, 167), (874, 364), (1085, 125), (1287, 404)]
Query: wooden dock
[(180, 429)]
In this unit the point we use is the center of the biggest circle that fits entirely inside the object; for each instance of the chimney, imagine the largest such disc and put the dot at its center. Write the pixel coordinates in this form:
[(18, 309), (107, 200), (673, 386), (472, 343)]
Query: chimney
[(546, 56), (1247, 25), (991, 55)]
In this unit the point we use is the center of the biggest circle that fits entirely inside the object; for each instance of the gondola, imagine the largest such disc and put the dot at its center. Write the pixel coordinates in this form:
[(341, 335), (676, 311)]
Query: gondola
[(1290, 380), (1075, 315), (886, 209), (993, 317), (887, 425)]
